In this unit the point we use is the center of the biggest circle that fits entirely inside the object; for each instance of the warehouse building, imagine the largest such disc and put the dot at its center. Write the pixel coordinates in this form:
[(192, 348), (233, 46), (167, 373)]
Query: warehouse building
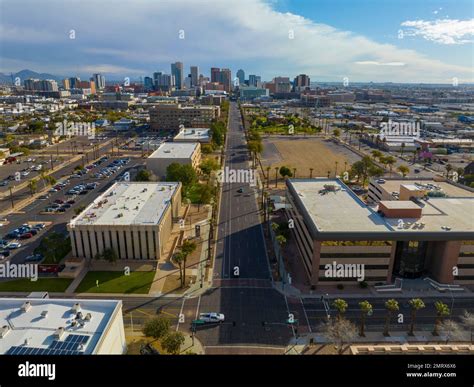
[(134, 219), (399, 238), (174, 152), (44, 326)]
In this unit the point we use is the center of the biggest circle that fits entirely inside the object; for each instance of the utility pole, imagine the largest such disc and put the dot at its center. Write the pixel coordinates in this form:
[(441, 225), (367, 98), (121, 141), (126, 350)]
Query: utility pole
[(51, 162)]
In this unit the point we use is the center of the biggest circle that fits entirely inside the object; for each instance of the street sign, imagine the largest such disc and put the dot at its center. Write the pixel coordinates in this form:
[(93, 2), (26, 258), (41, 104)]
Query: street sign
[(292, 321), (198, 322)]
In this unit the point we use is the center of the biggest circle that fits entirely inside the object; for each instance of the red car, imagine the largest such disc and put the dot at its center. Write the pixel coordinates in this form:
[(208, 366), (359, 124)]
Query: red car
[(59, 201), (26, 235)]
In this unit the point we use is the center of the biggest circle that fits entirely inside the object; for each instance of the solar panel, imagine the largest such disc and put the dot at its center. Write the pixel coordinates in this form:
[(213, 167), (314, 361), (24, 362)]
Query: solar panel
[(69, 346)]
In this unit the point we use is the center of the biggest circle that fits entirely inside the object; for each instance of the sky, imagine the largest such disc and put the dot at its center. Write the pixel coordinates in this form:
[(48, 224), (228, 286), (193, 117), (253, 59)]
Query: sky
[(416, 41)]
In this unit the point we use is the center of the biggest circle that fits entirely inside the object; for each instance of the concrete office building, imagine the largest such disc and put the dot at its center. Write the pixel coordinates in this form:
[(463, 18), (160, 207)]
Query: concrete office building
[(194, 76), (169, 117), (174, 152), (44, 326), (404, 238), (241, 76), (134, 219)]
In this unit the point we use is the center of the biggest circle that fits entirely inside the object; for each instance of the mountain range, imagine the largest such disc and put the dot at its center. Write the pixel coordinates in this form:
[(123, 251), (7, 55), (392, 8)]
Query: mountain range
[(6, 79)]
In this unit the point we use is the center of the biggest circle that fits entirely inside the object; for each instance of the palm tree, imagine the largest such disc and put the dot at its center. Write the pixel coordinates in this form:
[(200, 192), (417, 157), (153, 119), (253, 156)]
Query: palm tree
[(276, 177), (415, 304), (442, 310), (402, 148), (311, 173), (365, 310), (403, 169), (376, 154), (268, 176), (179, 257), (390, 161), (337, 162), (391, 306), (341, 306), (187, 248)]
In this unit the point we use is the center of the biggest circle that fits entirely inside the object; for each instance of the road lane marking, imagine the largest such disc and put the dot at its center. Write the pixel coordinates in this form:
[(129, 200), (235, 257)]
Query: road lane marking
[(197, 308), (180, 313), (306, 316)]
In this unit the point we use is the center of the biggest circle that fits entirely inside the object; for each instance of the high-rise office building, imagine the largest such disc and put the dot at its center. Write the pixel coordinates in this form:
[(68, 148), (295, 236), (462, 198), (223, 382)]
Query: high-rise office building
[(148, 83), (301, 82), (215, 74), (99, 80), (73, 82), (66, 84), (194, 75), (164, 82), (241, 76), (222, 76), (255, 80), (177, 72)]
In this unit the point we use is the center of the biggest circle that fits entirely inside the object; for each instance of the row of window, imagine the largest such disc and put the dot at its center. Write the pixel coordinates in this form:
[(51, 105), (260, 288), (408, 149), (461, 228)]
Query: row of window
[(86, 241), (355, 255)]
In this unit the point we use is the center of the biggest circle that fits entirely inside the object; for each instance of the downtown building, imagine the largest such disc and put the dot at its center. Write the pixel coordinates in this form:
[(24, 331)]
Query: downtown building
[(169, 117), (431, 237), (134, 219), (181, 152)]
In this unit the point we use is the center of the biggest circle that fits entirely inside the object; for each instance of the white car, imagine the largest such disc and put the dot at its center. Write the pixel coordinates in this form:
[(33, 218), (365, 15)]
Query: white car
[(212, 317), (25, 173), (13, 245)]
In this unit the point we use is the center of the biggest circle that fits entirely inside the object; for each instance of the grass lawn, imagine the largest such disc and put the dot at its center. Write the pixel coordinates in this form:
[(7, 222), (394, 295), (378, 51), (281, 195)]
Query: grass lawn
[(138, 282), (57, 285)]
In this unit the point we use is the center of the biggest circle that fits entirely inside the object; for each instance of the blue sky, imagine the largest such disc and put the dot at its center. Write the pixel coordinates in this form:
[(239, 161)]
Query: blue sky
[(326, 39)]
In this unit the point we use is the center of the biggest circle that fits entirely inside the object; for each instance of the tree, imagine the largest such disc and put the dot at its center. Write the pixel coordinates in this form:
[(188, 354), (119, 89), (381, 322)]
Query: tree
[(157, 327), (390, 161), (33, 186), (188, 247), (36, 127), (172, 342), (109, 255), (402, 148), (285, 172), (281, 240), (468, 321), (449, 168), (340, 332), (391, 306), (366, 309), (182, 173), (415, 305), (341, 306), (376, 154), (442, 310), (451, 330), (179, 258), (336, 133), (204, 194), (143, 175), (403, 169), (208, 165)]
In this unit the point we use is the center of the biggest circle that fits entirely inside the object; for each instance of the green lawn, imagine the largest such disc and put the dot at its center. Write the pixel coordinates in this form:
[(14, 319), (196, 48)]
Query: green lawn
[(57, 285), (138, 282)]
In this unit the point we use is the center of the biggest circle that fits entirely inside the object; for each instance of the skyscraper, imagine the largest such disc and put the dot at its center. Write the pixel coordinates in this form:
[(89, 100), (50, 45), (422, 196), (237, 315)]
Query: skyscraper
[(226, 79), (255, 80), (177, 72), (215, 74), (99, 80), (148, 83), (301, 82), (241, 76), (194, 75), (164, 82)]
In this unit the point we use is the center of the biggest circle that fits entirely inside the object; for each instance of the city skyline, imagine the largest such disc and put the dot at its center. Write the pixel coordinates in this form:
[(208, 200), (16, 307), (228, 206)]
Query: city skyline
[(431, 46)]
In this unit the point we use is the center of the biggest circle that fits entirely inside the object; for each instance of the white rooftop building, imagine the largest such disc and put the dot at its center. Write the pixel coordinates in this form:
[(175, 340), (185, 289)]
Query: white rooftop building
[(174, 152), (202, 135), (39, 326)]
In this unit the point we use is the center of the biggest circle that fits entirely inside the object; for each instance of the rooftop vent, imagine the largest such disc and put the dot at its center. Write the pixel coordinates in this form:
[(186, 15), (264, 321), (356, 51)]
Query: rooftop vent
[(58, 333), (88, 317), (44, 313), (76, 307), (26, 306), (4, 331)]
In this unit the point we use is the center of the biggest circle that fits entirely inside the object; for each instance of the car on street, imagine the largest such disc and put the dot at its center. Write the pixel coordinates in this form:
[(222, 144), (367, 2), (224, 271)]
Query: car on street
[(14, 245), (417, 171), (240, 190), (43, 197), (4, 183), (212, 317), (34, 258)]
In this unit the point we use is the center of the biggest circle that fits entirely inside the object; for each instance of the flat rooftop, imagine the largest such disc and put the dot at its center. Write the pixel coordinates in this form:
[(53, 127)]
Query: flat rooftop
[(338, 210), (139, 203), (196, 134), (429, 185), (36, 327), (169, 150)]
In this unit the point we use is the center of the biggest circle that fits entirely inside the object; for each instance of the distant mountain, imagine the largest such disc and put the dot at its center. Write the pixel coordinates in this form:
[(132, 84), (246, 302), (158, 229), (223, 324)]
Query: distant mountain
[(25, 74)]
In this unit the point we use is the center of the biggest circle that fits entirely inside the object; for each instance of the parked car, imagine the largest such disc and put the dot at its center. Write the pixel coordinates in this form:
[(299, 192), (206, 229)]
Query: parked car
[(43, 197), (71, 201), (417, 171), (59, 201), (14, 245), (26, 235)]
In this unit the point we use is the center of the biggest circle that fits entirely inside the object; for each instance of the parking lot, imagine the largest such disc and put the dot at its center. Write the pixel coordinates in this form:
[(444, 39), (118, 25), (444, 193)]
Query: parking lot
[(60, 204)]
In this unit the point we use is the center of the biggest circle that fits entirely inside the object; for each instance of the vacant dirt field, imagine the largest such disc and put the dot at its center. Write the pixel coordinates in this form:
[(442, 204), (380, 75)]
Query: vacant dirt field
[(306, 153)]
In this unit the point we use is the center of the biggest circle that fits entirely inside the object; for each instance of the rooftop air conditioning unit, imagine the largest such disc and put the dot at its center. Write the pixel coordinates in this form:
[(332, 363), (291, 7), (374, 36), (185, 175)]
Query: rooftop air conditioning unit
[(44, 313), (26, 306), (58, 333), (88, 317), (76, 307), (4, 331)]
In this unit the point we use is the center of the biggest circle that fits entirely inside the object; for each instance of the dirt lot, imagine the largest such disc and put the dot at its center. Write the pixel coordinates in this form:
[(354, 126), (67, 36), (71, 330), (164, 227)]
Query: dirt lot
[(306, 153)]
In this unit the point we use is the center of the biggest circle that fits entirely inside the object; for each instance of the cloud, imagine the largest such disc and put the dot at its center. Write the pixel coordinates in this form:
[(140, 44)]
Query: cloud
[(248, 34), (443, 31)]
